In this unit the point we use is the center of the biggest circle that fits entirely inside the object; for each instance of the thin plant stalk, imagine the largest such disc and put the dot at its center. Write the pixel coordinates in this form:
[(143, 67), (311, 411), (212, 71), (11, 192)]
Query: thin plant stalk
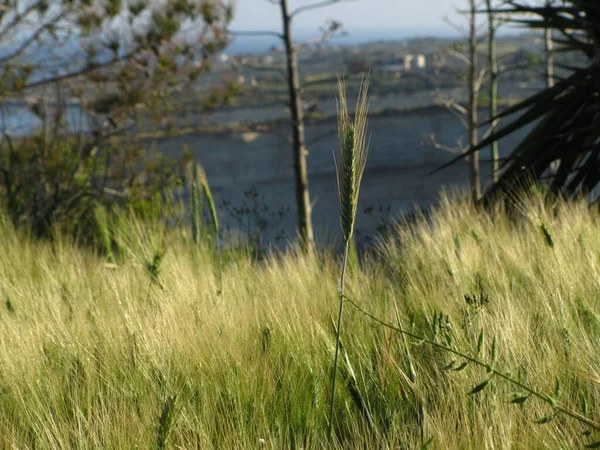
[(493, 62), (220, 263), (195, 204), (491, 370), (350, 164), (352, 385), (196, 210), (337, 336), (214, 219)]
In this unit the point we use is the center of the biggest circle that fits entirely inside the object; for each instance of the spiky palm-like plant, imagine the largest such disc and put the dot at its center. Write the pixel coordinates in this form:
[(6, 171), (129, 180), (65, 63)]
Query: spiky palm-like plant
[(562, 147), (350, 162)]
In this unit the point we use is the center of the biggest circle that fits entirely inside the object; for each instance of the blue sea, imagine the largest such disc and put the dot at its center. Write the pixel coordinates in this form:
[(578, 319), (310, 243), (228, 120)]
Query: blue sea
[(261, 44)]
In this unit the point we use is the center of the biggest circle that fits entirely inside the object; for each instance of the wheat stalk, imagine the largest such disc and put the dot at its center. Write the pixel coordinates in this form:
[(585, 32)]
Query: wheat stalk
[(350, 162)]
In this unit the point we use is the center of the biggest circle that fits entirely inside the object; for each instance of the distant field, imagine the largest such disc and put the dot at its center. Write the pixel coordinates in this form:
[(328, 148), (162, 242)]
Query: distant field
[(104, 356)]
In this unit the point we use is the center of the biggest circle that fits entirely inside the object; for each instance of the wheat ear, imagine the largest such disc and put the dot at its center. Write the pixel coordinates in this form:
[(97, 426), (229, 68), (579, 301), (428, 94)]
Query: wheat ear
[(350, 162)]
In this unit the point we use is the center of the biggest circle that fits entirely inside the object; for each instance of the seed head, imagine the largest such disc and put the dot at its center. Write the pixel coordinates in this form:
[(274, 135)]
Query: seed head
[(351, 155)]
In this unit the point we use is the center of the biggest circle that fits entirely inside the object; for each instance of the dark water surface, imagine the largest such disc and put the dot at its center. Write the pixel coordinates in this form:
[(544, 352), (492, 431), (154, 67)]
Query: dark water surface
[(397, 174)]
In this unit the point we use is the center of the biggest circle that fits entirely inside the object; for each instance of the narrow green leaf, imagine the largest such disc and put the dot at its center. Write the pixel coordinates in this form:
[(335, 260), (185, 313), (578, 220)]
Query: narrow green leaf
[(547, 235), (494, 350), (480, 387), (412, 373), (450, 365), (480, 342), (461, 367), (520, 399), (545, 419), (584, 404), (557, 389), (593, 445), (427, 443), (435, 323), (449, 340)]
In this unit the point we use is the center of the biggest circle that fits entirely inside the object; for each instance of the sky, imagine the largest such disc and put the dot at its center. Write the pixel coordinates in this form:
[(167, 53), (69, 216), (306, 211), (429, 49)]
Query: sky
[(401, 18)]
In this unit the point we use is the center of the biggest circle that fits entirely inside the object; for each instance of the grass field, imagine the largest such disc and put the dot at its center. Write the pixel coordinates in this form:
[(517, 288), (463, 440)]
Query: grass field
[(94, 355)]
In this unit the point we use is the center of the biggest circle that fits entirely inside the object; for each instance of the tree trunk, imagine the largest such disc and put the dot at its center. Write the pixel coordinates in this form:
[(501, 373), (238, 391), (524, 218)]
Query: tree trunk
[(300, 167), (493, 62), (473, 91), (549, 50)]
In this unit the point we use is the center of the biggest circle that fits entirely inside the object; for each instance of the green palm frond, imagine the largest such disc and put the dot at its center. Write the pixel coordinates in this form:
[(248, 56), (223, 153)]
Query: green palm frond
[(565, 118)]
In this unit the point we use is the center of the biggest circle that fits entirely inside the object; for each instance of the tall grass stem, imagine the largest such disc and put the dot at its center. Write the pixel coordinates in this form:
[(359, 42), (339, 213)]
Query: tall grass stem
[(337, 339), (350, 162)]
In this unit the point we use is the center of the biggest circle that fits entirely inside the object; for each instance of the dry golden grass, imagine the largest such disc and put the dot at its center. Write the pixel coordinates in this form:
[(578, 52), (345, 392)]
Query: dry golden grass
[(89, 360)]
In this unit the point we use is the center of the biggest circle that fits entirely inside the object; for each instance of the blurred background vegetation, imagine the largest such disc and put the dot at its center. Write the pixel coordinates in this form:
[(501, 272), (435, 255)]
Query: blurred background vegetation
[(89, 90)]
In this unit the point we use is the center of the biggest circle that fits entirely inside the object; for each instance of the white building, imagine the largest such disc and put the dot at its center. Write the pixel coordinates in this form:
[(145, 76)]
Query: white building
[(403, 64)]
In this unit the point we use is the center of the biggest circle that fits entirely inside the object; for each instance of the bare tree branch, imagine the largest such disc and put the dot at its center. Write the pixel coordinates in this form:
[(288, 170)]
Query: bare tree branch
[(255, 33), (459, 28), (430, 140), (462, 58), (456, 109), (333, 29), (75, 73), (18, 19), (316, 5), (479, 80), (30, 40)]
